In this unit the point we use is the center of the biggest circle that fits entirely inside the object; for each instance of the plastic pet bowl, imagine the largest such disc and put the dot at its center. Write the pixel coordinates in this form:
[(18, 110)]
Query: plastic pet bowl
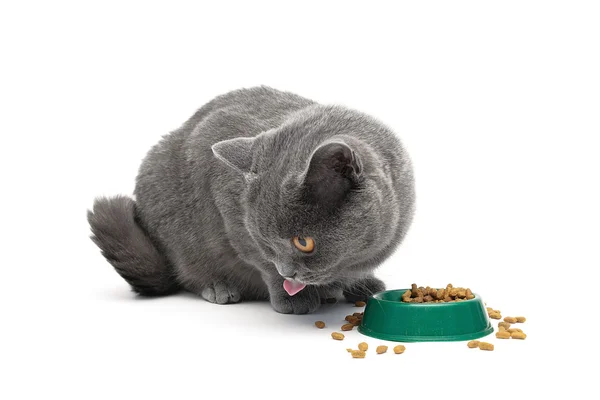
[(387, 317)]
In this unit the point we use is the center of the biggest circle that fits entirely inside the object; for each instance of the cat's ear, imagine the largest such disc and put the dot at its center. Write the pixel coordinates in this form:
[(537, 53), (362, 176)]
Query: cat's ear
[(334, 169), (237, 153)]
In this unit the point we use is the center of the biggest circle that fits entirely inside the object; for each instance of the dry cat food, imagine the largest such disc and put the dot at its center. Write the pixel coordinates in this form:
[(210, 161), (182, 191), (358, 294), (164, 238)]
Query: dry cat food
[(381, 349), (360, 304), (494, 314), (510, 320), (504, 325), (337, 336), (399, 349), (430, 295), (518, 335), (347, 327), (486, 346), (503, 335), (358, 354), (521, 319), (473, 344), (320, 324), (363, 346)]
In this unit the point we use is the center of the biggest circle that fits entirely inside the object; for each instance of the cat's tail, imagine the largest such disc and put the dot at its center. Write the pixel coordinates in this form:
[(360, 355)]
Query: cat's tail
[(128, 248)]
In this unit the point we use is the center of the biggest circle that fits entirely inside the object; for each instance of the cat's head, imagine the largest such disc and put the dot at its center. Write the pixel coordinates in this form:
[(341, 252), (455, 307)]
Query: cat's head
[(312, 206)]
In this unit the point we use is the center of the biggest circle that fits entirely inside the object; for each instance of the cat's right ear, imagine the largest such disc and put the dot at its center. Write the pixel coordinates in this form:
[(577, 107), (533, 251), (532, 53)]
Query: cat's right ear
[(237, 153)]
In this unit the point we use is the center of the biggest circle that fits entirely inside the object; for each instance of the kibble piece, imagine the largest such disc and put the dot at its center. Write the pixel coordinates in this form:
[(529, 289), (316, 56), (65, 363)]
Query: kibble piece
[(473, 344), (496, 316), (358, 354), (506, 325), (347, 327), (349, 350), (518, 335), (381, 349), (511, 330), (337, 336), (413, 289), (399, 349), (503, 335), (486, 346), (521, 319), (418, 299), (427, 298), (320, 324), (501, 329), (357, 314), (510, 320), (348, 317), (360, 304), (363, 346), (469, 295)]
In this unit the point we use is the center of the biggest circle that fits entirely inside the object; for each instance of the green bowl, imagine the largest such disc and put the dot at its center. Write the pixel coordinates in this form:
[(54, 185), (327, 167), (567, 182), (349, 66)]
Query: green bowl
[(386, 317)]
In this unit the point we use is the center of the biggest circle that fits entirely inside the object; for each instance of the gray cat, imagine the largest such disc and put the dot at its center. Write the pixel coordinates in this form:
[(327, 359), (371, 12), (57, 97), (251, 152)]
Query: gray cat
[(262, 194)]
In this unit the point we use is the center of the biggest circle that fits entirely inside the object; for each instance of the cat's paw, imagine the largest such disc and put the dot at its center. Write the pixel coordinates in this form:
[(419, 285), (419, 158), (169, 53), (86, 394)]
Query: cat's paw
[(362, 289), (303, 302), (221, 293)]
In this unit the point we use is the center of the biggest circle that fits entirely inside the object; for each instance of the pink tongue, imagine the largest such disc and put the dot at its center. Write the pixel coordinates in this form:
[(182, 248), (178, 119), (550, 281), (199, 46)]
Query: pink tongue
[(292, 287)]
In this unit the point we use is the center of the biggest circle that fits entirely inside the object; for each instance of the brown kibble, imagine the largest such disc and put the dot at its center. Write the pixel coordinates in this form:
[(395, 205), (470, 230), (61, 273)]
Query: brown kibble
[(510, 320), (355, 321), (518, 335), (347, 327), (521, 319), (441, 294), (406, 296), (503, 335), (337, 336), (461, 293), (506, 325), (501, 329), (418, 299), (486, 346), (358, 354), (348, 317), (473, 344), (468, 294), (363, 346), (495, 315), (381, 349), (357, 314), (360, 304), (489, 309), (511, 330), (413, 289), (427, 298), (399, 349), (320, 324), (349, 350)]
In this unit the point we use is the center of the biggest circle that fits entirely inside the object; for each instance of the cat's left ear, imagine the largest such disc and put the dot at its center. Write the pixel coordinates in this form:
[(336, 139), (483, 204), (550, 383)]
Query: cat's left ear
[(237, 153)]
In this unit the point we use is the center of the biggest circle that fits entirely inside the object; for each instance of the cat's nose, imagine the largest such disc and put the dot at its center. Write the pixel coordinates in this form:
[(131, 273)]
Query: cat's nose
[(286, 270)]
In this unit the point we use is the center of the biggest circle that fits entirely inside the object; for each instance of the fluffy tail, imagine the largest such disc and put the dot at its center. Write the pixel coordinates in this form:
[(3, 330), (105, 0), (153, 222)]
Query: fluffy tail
[(128, 248)]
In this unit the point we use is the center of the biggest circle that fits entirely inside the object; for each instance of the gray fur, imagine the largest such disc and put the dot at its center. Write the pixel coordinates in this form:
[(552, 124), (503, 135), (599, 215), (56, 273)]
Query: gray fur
[(218, 201)]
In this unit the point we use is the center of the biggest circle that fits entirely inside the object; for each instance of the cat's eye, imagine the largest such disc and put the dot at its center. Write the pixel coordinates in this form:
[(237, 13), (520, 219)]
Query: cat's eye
[(304, 244)]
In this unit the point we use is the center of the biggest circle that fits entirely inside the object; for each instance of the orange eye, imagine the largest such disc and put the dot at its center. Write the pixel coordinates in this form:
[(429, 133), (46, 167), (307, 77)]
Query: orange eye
[(304, 244)]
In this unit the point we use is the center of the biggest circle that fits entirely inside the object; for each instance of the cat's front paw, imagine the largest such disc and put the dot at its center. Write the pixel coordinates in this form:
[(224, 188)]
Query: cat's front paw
[(362, 289), (303, 302)]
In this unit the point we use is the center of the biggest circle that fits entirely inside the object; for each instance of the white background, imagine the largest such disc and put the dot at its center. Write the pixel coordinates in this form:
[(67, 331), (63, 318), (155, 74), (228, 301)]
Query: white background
[(497, 102)]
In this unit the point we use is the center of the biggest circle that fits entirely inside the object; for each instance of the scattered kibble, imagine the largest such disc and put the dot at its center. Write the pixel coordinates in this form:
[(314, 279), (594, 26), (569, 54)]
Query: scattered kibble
[(381, 349), (399, 349), (521, 319), (501, 329), (486, 346), (506, 325), (360, 304), (503, 335), (518, 335), (347, 327), (358, 354), (363, 346), (495, 315), (337, 336), (473, 344), (510, 320), (431, 295), (511, 330), (320, 324), (349, 350)]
